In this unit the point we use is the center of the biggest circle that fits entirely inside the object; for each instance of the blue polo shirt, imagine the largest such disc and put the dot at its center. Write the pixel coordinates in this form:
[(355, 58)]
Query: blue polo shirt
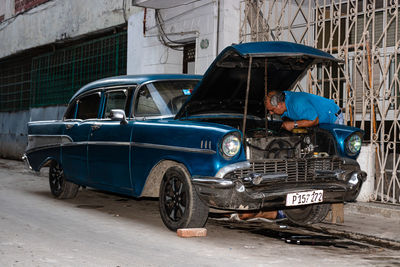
[(305, 106)]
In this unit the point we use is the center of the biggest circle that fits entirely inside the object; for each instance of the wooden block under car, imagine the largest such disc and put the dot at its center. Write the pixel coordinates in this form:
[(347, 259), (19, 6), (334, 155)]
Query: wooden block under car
[(191, 232), (337, 213)]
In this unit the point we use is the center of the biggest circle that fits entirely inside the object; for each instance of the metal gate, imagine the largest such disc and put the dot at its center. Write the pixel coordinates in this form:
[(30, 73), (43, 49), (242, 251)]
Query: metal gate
[(365, 35)]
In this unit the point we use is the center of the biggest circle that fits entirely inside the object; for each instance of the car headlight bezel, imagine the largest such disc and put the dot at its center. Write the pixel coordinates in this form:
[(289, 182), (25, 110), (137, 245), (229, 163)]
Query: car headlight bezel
[(230, 145), (353, 144)]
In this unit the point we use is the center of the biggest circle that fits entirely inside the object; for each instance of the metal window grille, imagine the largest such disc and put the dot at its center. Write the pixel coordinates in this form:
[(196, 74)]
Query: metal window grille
[(57, 76), (366, 36), (14, 84)]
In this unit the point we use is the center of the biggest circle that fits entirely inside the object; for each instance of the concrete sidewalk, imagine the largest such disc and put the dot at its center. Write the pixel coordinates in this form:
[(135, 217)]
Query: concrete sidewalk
[(374, 223)]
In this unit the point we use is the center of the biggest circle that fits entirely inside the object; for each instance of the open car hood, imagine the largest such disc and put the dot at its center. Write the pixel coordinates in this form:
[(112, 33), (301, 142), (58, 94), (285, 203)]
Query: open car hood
[(223, 87)]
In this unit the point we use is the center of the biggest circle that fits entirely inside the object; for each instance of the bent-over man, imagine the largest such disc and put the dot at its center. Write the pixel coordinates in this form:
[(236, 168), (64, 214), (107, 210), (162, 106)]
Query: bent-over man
[(303, 109)]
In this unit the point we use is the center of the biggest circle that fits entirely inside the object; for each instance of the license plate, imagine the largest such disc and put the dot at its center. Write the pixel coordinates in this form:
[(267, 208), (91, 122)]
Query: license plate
[(304, 198)]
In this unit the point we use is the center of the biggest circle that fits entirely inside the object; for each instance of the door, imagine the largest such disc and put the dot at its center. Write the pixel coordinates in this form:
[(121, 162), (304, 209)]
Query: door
[(77, 127), (109, 146)]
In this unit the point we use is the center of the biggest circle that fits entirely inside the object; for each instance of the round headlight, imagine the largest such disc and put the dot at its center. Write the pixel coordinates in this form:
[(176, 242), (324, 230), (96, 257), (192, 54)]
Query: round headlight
[(354, 144), (230, 145)]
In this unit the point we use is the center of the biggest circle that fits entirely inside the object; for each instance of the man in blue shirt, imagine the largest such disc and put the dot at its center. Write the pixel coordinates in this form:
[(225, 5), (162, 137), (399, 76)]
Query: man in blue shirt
[(303, 109)]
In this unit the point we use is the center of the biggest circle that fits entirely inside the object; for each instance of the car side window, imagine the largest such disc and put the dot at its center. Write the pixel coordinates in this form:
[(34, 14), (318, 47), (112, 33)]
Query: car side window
[(145, 105), (115, 100), (70, 113), (88, 106)]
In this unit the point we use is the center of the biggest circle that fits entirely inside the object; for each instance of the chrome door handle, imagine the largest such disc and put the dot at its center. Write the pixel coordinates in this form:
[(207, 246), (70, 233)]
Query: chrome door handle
[(69, 126), (95, 127)]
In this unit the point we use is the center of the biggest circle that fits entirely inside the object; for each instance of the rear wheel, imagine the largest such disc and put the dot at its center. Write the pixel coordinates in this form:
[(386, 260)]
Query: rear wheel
[(180, 207), (308, 214), (59, 187)]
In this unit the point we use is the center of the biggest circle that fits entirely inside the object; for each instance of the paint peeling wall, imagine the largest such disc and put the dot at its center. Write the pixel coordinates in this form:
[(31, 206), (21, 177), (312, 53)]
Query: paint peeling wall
[(47, 23), (59, 20)]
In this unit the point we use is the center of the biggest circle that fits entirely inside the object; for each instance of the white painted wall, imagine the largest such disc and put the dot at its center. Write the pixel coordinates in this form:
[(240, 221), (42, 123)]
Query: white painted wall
[(197, 21), (58, 19), (6, 9)]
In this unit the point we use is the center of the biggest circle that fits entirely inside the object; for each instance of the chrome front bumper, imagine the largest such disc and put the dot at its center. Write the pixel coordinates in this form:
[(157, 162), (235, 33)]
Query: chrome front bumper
[(268, 190)]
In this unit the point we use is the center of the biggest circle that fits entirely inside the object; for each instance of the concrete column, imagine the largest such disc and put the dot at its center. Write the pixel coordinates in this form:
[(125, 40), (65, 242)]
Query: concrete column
[(366, 160)]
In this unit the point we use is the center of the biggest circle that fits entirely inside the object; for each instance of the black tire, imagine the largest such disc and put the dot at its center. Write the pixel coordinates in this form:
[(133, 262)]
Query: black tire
[(308, 214), (180, 207), (59, 187)]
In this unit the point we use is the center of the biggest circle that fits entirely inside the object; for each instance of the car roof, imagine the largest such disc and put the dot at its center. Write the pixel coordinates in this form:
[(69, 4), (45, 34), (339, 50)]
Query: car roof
[(132, 80)]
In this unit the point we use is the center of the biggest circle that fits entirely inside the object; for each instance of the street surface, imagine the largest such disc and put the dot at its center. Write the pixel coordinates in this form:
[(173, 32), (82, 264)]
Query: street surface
[(101, 229)]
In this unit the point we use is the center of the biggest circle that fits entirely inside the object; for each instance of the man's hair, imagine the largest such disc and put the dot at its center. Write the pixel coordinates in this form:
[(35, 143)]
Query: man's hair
[(277, 98), (270, 94)]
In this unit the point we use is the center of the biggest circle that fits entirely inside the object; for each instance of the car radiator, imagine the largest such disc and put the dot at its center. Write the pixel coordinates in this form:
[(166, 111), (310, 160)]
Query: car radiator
[(292, 170)]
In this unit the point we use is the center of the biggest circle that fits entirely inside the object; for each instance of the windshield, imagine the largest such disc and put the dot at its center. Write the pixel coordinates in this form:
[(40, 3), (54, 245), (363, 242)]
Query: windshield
[(163, 98)]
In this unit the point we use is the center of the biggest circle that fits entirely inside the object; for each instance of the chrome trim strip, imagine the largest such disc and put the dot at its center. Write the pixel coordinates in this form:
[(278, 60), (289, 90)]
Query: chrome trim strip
[(49, 135), (108, 143), (101, 143), (228, 168), (34, 149), (212, 182), (174, 148), (39, 141)]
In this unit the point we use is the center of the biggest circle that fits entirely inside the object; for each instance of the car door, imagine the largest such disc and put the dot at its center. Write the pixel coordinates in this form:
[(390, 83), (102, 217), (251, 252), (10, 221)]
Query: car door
[(109, 145), (78, 124)]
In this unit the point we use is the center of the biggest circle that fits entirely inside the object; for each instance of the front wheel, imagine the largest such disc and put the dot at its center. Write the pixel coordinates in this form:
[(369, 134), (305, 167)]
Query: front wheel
[(308, 214), (180, 207), (59, 187)]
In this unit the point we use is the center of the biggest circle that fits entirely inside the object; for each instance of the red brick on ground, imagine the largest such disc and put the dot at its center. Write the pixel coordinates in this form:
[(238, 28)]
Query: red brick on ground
[(191, 232)]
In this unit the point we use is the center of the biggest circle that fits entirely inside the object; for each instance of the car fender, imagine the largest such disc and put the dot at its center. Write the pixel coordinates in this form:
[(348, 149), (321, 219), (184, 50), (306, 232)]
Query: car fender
[(152, 186)]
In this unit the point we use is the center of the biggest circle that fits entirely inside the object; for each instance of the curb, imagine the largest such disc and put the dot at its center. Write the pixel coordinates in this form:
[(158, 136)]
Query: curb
[(382, 242), (385, 210)]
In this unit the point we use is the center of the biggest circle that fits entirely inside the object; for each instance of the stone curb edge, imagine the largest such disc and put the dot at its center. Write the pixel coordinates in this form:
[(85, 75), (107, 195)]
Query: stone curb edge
[(382, 242)]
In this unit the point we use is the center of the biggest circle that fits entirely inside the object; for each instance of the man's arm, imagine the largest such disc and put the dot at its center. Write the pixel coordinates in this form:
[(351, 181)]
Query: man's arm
[(289, 125)]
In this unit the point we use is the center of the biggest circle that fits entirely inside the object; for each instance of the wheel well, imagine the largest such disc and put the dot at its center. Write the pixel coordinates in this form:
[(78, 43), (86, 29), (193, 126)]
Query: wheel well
[(153, 181), (47, 162)]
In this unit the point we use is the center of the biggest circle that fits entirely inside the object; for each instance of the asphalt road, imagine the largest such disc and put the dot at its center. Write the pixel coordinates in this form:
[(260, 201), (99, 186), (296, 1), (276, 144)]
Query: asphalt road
[(100, 229)]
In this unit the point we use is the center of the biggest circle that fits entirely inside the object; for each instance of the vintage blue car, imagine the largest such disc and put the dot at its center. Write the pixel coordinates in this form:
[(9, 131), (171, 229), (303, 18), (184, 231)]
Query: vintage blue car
[(202, 142)]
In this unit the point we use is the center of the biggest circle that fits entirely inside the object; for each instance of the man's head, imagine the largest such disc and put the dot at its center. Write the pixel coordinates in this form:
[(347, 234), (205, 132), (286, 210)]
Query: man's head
[(275, 102)]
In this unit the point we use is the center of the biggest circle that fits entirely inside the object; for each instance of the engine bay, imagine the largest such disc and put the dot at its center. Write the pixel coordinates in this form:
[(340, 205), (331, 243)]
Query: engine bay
[(276, 143), (300, 143)]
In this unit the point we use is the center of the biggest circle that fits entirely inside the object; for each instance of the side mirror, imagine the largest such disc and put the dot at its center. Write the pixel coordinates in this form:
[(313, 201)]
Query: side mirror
[(118, 115)]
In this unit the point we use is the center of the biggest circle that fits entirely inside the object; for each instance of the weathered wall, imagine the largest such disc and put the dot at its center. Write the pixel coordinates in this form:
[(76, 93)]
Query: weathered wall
[(58, 20), (6, 9), (50, 22), (14, 131), (200, 22)]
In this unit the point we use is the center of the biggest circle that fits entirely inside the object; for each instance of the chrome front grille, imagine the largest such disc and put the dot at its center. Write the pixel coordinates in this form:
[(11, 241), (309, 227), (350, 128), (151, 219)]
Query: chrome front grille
[(297, 170)]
